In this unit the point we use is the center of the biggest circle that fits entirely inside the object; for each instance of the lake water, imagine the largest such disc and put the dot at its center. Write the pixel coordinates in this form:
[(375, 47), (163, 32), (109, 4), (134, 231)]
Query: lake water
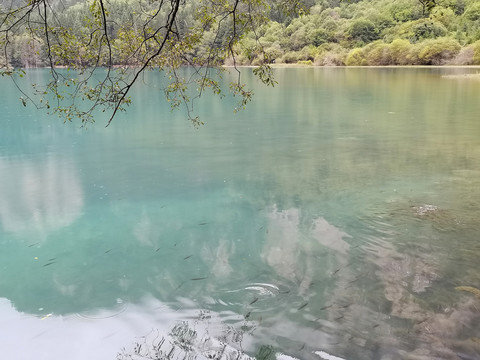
[(337, 217)]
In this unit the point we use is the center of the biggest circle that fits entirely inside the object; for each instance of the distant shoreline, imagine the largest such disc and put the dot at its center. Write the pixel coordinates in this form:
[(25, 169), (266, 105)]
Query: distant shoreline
[(280, 66), (306, 66), (463, 76), (295, 65)]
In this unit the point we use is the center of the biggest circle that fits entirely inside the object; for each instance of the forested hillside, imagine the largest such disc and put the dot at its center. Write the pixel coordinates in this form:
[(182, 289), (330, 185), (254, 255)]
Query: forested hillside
[(323, 32), (373, 32)]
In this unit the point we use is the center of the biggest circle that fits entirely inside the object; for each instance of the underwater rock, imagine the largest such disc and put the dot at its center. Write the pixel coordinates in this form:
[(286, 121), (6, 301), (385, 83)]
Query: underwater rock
[(424, 209), (451, 324), (441, 219), (403, 275), (437, 334)]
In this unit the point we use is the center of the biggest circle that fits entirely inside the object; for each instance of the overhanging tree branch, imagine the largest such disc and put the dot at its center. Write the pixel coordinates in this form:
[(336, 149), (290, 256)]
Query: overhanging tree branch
[(126, 89), (84, 40)]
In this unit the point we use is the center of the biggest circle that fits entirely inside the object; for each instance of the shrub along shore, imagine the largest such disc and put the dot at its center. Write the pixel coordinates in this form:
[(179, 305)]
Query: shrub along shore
[(371, 33)]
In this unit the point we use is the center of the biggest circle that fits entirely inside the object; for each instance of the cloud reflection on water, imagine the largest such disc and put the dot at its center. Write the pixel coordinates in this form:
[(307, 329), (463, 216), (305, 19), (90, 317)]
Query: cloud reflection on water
[(38, 197), (289, 248), (105, 334)]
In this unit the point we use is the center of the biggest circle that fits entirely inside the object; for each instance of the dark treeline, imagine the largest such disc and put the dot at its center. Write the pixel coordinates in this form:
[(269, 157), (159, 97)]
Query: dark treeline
[(324, 32)]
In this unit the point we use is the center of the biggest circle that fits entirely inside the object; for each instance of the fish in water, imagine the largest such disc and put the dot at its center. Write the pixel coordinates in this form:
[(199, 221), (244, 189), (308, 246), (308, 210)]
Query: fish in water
[(303, 306), (203, 223), (247, 315), (254, 301), (358, 277), (187, 257), (421, 321), (179, 286), (50, 263), (199, 278)]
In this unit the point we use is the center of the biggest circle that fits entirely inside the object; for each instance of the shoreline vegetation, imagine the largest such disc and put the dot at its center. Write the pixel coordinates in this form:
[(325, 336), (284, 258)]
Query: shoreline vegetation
[(325, 33), (135, 35), (302, 65)]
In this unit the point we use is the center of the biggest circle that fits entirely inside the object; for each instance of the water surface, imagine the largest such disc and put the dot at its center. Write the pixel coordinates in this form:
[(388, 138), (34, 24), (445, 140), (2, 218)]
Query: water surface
[(335, 215)]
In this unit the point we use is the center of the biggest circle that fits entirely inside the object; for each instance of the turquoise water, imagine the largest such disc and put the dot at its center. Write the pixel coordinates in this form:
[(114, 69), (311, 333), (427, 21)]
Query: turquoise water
[(335, 216)]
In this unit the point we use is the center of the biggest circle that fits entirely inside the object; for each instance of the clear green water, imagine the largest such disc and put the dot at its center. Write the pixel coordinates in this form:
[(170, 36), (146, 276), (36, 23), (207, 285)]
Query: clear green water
[(336, 214)]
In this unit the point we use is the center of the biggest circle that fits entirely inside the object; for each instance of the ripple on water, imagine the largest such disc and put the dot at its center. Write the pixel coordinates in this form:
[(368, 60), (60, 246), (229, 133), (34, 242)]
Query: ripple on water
[(253, 301), (263, 289), (411, 244), (98, 314)]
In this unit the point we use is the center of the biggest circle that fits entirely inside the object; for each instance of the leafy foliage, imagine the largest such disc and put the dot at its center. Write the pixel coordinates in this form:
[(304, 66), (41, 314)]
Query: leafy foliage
[(363, 30), (331, 30), (97, 50), (107, 46)]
